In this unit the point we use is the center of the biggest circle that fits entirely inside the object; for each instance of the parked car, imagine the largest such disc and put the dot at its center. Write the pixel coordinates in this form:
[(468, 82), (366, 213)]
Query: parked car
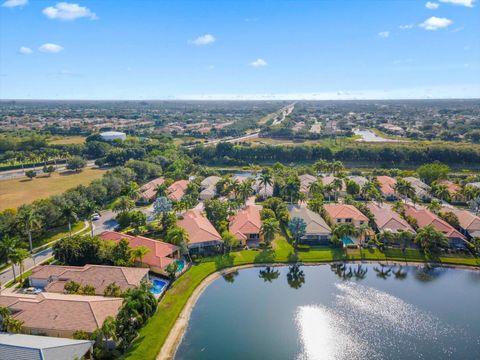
[(32, 291), (95, 217)]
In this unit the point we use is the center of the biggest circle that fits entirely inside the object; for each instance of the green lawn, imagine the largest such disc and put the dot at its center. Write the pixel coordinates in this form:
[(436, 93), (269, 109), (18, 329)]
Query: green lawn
[(154, 334)]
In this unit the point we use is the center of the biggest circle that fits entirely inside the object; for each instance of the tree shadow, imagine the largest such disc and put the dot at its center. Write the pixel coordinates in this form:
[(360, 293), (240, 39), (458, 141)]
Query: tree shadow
[(224, 261)]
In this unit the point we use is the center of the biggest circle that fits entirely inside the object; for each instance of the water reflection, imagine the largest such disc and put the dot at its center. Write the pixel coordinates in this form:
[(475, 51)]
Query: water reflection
[(230, 277), (428, 273), (295, 277), (383, 272), (399, 273), (346, 272), (269, 274)]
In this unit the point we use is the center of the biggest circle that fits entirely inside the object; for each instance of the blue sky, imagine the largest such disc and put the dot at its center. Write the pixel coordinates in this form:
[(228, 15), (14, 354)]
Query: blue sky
[(148, 49)]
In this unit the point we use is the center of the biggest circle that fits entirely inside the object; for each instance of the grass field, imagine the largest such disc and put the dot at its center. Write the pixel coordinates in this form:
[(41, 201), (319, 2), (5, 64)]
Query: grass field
[(155, 332), (64, 140), (16, 192)]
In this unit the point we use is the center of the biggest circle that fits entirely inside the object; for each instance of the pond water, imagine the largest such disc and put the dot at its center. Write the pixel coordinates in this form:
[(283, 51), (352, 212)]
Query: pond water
[(337, 312), (370, 136)]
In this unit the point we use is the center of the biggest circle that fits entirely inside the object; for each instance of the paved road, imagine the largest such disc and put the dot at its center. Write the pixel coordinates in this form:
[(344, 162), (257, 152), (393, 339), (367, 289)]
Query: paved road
[(19, 173), (7, 274)]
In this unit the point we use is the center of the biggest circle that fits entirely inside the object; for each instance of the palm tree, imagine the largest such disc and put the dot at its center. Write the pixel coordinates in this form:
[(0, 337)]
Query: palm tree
[(69, 214), (132, 190), (161, 190), (297, 227), (108, 329), (29, 220), (291, 188), (17, 258), (123, 204), (434, 206), (266, 179), (342, 231), (431, 240), (441, 191), (89, 208), (176, 236), (245, 190), (337, 185), (138, 253), (316, 205), (336, 167), (8, 245), (268, 229), (316, 188), (320, 166), (404, 189)]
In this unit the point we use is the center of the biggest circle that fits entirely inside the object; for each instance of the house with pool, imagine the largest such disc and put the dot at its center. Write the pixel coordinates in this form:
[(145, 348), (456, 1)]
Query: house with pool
[(52, 278), (317, 231), (388, 220), (469, 222), (159, 256), (339, 214), (202, 235)]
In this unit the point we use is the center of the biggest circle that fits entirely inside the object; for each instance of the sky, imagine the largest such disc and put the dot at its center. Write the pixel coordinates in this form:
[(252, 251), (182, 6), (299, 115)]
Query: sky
[(248, 49)]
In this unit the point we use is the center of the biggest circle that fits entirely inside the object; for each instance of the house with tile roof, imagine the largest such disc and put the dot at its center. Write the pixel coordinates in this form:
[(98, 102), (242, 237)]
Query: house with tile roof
[(176, 191), (317, 231), (59, 315), (305, 181), (201, 233), (263, 191), (359, 180), (345, 214), (387, 187), (148, 192), (455, 190), (52, 278), (469, 222), (208, 187), (387, 219), (422, 190), (425, 217), (245, 225), (159, 256), (210, 181)]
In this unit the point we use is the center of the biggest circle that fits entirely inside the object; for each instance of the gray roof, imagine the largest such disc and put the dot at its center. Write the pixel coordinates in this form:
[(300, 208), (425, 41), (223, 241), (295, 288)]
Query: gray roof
[(315, 224), (32, 347)]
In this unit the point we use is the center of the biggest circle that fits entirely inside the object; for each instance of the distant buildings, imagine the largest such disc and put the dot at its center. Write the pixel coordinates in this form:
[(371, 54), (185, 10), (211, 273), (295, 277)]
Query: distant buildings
[(113, 135)]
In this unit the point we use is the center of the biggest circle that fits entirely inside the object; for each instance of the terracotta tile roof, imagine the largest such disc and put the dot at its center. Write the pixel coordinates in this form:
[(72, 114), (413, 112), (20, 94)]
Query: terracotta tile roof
[(245, 221), (99, 276), (159, 250), (467, 220), (387, 219), (148, 190), (344, 211), (198, 227), (328, 179), (176, 191), (387, 185), (50, 311), (425, 217), (451, 186)]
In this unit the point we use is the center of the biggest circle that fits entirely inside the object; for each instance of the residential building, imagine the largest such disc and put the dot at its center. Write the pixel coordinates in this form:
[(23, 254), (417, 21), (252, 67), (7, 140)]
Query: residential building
[(177, 190), (52, 278), (425, 217), (148, 192), (32, 347), (317, 231), (388, 220), (262, 190), (246, 224), (469, 222), (387, 187), (454, 190), (208, 187), (345, 214), (210, 181), (59, 315), (201, 233), (474, 184), (305, 181), (159, 256), (422, 190), (359, 180)]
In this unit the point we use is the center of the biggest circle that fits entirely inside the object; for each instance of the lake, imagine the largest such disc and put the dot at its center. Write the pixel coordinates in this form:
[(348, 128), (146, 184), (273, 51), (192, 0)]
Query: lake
[(370, 136), (337, 312)]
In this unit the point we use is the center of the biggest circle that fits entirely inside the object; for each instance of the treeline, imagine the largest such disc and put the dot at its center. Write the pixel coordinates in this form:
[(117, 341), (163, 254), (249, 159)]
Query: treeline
[(394, 154)]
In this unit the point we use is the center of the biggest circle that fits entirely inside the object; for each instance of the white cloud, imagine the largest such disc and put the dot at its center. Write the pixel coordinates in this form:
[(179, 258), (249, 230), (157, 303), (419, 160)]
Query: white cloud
[(25, 50), (68, 12), (258, 63), (435, 23), (50, 48), (406, 26), (467, 3), (384, 34), (204, 40), (14, 3), (431, 5)]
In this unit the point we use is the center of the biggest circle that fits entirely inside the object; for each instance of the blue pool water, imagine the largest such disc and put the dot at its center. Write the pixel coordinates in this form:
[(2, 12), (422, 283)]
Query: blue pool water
[(348, 241), (158, 286), (181, 265)]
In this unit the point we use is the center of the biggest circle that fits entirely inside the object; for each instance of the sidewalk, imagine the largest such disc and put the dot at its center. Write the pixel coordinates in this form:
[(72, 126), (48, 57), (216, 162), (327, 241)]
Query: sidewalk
[(38, 258)]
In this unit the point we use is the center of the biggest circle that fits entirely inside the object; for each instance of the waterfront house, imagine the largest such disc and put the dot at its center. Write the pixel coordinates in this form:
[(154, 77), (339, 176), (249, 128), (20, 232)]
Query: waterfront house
[(388, 220), (245, 225), (159, 256), (52, 278), (469, 222), (317, 231), (201, 233), (339, 214)]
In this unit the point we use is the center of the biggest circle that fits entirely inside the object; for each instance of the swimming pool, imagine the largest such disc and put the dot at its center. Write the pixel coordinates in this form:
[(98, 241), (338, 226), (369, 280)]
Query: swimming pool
[(348, 241), (158, 286), (180, 265)]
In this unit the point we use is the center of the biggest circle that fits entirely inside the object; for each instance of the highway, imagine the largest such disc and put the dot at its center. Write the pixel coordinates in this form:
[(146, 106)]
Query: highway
[(19, 173)]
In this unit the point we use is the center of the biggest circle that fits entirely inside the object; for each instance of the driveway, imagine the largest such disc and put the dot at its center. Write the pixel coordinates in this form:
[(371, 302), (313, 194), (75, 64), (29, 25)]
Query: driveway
[(107, 220)]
